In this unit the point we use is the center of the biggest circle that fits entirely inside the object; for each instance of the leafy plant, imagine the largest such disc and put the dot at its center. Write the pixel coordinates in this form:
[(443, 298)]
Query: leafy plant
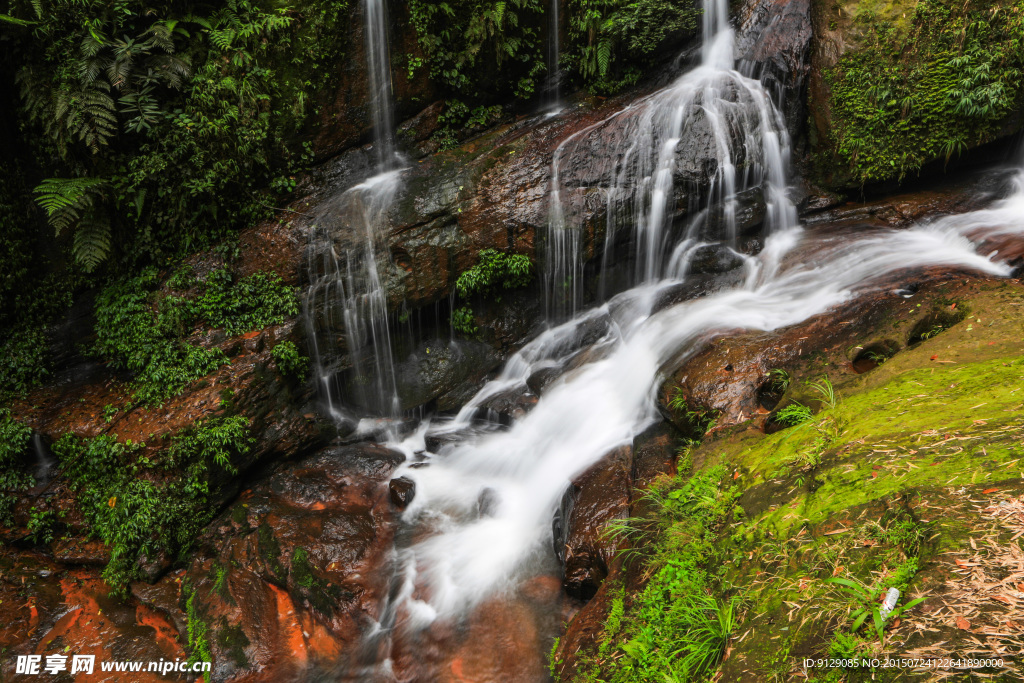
[(941, 80), (463, 321), (793, 414), (142, 507), (494, 273), (143, 331), (612, 41), (823, 387), (779, 380), (480, 48), (289, 362), (43, 524), (14, 438), (867, 603)]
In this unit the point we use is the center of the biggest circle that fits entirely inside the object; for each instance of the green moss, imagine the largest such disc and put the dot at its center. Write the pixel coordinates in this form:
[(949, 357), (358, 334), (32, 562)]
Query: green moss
[(143, 331), (927, 81), (308, 586), (198, 630), (233, 641), (270, 551)]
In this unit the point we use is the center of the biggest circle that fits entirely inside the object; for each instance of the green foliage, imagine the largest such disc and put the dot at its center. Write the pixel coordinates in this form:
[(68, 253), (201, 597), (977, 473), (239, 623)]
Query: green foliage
[(494, 273), (72, 202), (43, 524), (613, 41), (141, 333), (198, 630), (30, 296), (675, 629), (463, 321), (142, 330), (14, 479), (867, 603), (177, 118), (142, 507), (793, 414), (289, 362), (925, 88), (256, 302), (481, 49), (779, 380), (698, 421)]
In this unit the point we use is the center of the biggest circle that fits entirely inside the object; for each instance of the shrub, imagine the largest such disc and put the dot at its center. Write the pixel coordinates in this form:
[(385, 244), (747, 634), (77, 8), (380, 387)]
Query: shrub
[(494, 273), (289, 362), (14, 438)]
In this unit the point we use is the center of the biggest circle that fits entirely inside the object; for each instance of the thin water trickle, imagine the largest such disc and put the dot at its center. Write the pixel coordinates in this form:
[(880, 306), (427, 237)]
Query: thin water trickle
[(346, 303), (553, 84)]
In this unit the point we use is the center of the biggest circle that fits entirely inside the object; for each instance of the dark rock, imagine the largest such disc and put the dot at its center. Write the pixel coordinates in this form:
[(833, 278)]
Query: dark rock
[(440, 367), (152, 568), (402, 490), (715, 259), (508, 406), (654, 454), (773, 44), (487, 502), (599, 495)]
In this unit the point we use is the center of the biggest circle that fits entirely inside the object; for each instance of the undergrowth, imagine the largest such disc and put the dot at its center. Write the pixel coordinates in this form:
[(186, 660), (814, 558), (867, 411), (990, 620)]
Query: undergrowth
[(494, 273), (926, 87), (145, 506), (677, 628), (143, 330)]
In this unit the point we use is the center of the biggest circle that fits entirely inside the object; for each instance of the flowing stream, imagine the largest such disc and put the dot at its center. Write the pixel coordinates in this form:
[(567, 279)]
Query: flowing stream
[(480, 524)]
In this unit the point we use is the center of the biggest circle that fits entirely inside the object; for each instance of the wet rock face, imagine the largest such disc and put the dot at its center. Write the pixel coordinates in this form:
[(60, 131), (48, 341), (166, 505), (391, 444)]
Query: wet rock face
[(773, 44), (345, 118), (402, 490), (731, 378), (599, 495), (438, 367), (286, 579)]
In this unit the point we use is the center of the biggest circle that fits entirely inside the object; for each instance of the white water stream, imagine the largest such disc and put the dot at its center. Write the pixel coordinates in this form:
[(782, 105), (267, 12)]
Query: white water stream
[(467, 551)]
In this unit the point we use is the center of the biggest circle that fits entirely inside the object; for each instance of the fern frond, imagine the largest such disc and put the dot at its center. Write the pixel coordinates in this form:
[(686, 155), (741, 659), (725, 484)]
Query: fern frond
[(91, 245), (65, 200), (604, 56)]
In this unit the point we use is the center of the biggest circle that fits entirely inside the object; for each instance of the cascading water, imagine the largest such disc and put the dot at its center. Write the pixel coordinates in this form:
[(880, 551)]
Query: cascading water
[(378, 63), (634, 165), (346, 303), (480, 524), (553, 85)]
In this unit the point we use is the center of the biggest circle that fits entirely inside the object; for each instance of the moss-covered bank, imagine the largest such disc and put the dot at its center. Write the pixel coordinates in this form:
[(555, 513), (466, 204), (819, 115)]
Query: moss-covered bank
[(911, 478)]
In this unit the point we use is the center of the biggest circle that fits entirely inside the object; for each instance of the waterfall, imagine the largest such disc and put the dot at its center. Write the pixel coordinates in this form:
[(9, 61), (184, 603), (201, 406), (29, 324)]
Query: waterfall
[(378, 63), (630, 163), (553, 85), (455, 552), (346, 303)]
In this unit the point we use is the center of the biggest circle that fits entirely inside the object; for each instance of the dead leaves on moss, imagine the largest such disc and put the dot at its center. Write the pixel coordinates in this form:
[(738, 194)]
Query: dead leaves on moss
[(984, 597)]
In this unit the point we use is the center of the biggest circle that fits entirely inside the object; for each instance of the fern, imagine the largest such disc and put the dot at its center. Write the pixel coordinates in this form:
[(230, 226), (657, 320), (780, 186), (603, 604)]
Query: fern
[(65, 200), (92, 244)]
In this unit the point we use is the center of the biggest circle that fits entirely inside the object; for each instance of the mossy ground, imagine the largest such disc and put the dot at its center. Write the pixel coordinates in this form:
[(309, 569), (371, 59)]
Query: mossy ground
[(912, 480)]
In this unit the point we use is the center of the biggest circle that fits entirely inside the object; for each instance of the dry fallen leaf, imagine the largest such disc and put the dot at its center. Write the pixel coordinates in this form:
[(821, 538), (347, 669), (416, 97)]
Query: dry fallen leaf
[(963, 623)]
